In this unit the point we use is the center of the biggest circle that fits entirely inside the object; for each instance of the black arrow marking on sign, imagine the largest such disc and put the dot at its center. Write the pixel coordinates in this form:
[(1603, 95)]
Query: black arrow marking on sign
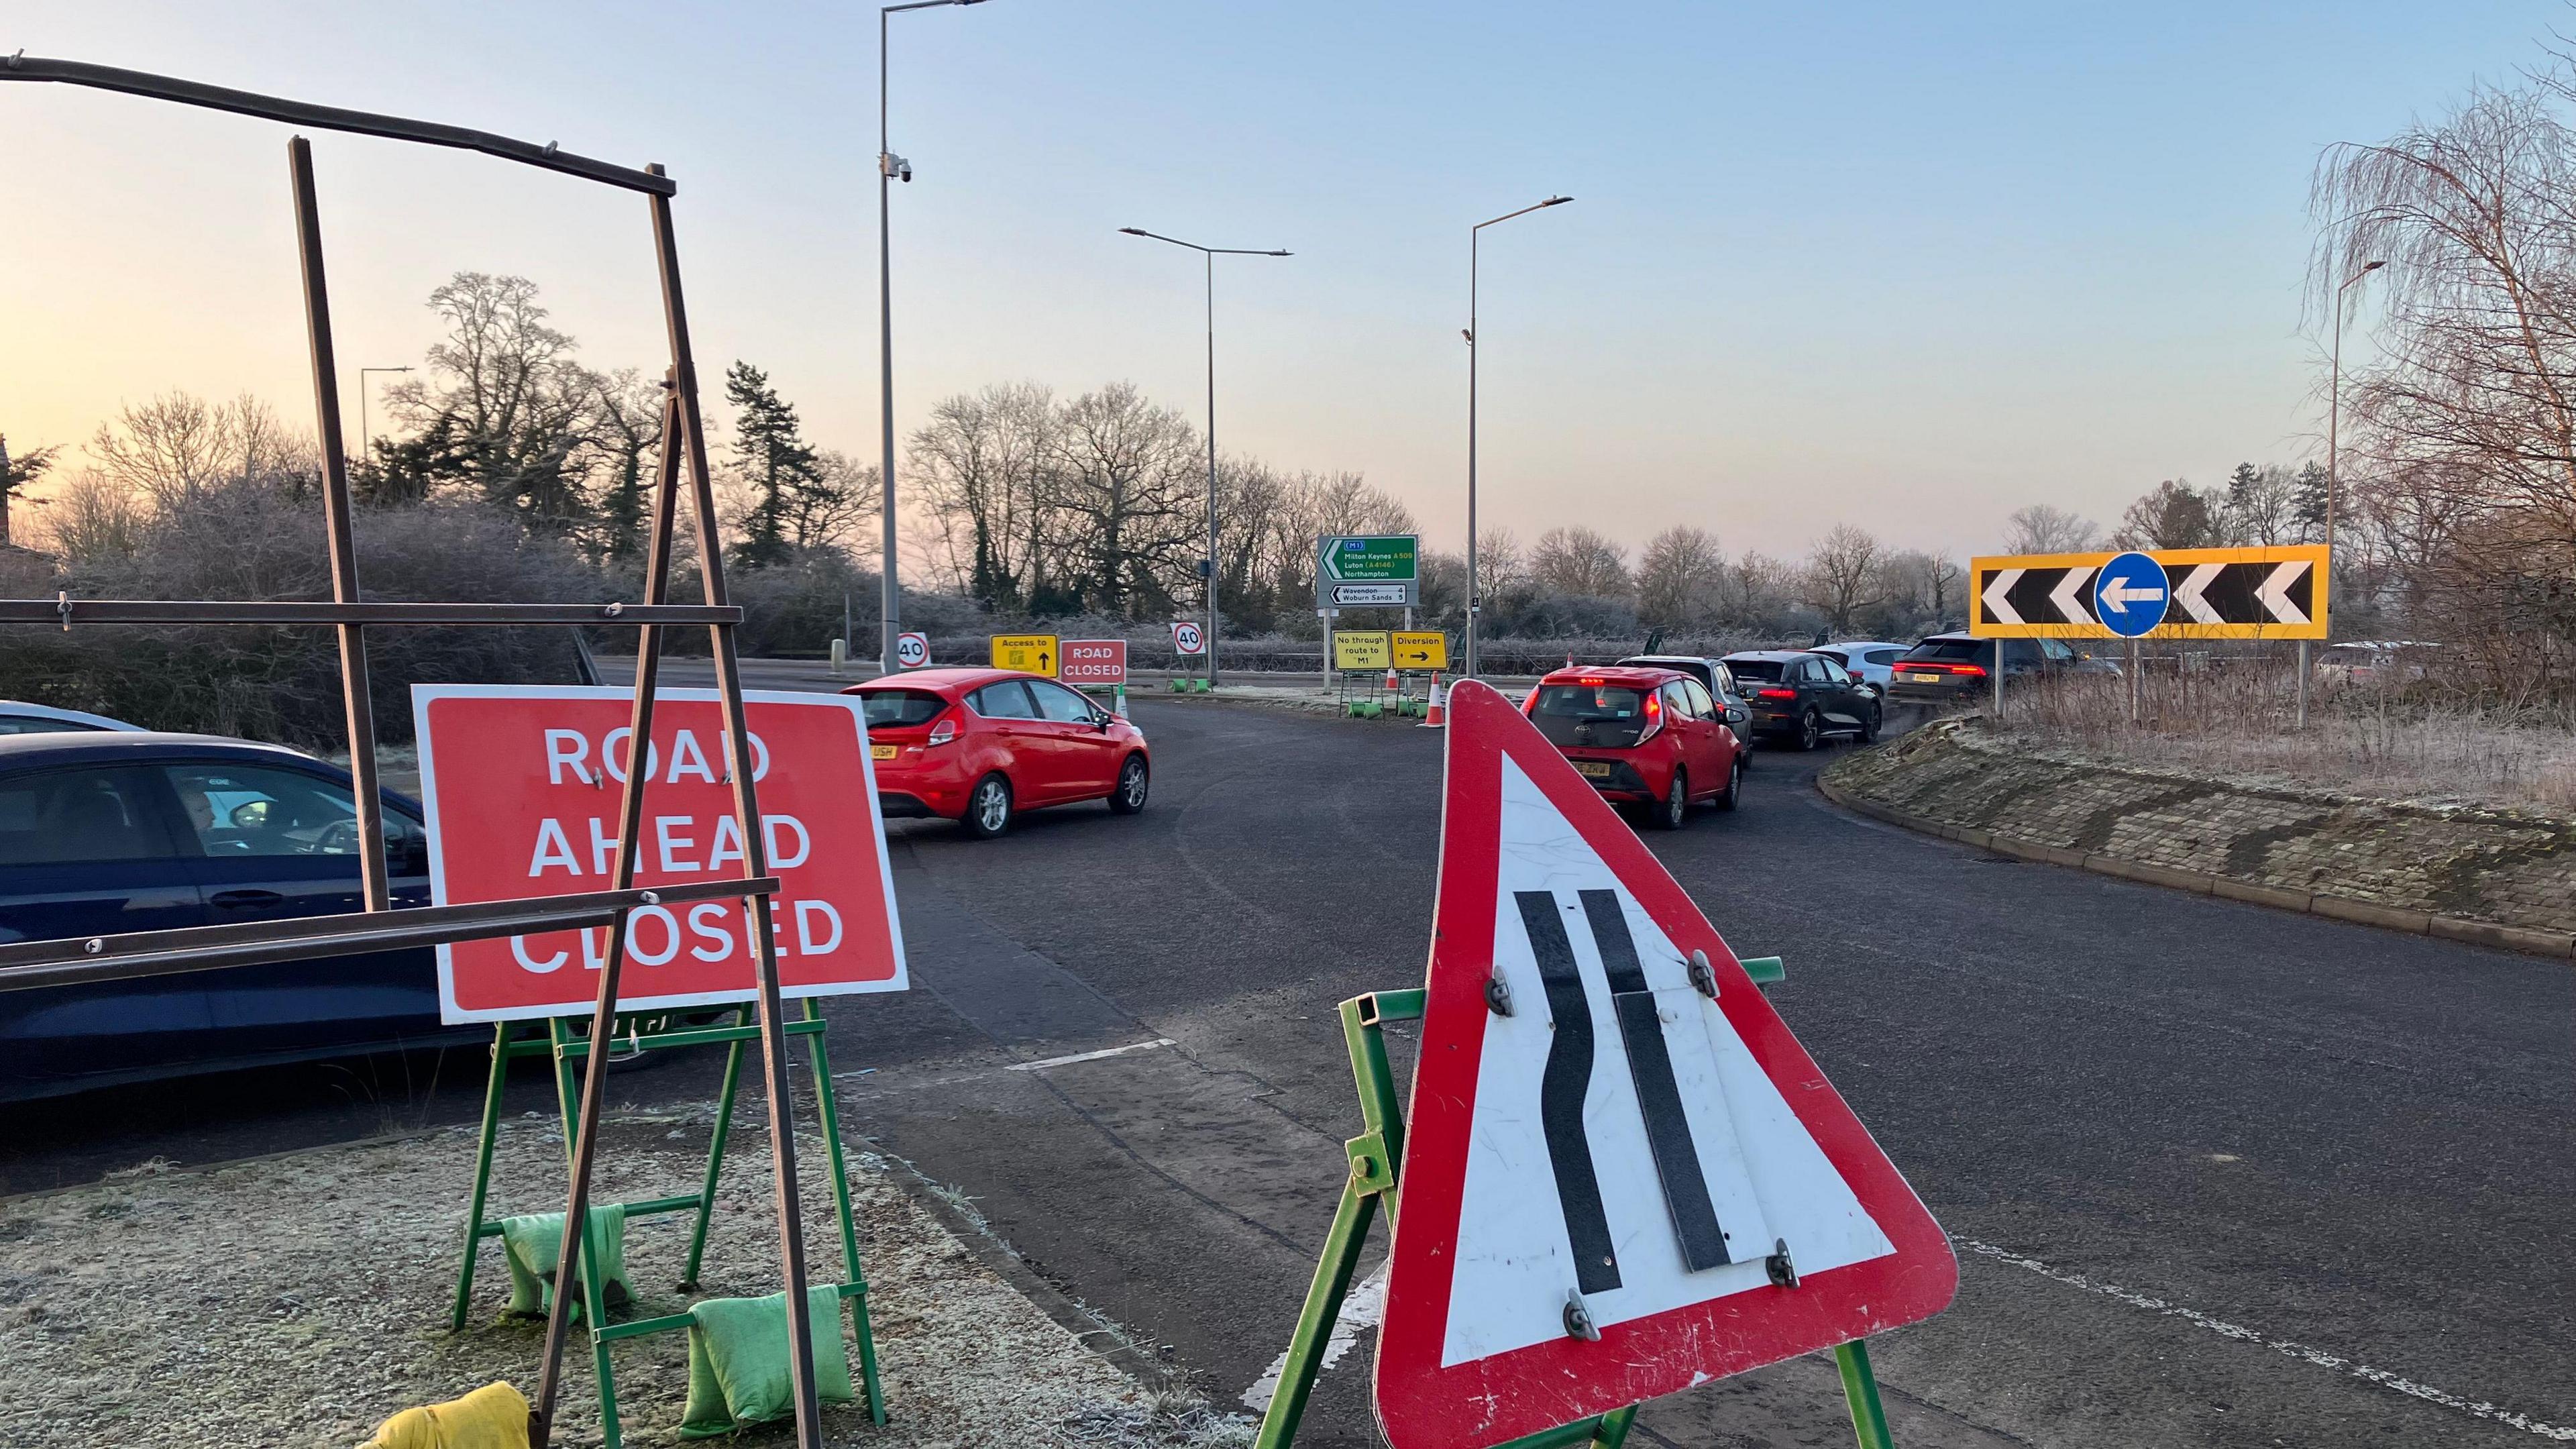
[(1562, 1086), (1659, 1096)]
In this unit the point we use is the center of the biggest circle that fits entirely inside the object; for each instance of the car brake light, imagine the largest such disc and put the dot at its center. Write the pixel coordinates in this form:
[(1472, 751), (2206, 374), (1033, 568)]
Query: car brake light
[(941, 733), (1654, 718), (1969, 671), (1775, 694)]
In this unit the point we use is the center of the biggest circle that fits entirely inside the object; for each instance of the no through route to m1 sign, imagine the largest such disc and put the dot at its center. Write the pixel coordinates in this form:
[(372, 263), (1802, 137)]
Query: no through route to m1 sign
[(522, 788)]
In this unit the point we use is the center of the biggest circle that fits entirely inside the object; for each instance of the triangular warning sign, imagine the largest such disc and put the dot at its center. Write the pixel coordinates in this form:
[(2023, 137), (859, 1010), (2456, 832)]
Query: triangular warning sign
[(1608, 1176)]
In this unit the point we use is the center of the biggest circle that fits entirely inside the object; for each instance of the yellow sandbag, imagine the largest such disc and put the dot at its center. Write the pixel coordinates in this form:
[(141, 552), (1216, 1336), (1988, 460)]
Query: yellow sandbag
[(494, 1416)]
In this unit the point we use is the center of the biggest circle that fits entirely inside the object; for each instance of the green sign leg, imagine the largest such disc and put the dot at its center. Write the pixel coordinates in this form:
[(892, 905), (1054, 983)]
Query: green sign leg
[(1315, 1323), (715, 1162), (1860, 1389), (482, 1173), (857, 1279)]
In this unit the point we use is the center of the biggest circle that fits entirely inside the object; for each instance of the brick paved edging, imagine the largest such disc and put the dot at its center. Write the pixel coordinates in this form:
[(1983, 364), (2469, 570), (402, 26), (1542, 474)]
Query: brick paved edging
[(2532, 940)]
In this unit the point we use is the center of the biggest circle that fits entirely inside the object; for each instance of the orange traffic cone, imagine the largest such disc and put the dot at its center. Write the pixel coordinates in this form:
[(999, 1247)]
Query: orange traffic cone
[(1436, 715), (1393, 684)]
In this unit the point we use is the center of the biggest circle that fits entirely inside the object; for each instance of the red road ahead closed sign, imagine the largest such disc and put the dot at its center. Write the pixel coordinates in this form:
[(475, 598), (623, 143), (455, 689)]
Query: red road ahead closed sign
[(522, 788), (1093, 661), (1622, 1176)]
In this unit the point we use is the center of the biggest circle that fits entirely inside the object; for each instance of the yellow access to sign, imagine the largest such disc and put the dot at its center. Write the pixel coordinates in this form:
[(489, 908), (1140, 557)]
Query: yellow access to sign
[(1361, 649), (1034, 653), (1425, 650)]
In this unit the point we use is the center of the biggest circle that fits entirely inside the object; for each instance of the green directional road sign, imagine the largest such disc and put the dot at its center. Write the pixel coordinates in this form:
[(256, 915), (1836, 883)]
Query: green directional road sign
[(1374, 570)]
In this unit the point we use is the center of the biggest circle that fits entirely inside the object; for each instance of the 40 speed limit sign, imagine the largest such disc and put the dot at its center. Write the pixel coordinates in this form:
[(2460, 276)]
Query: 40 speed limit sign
[(1188, 638), (911, 651)]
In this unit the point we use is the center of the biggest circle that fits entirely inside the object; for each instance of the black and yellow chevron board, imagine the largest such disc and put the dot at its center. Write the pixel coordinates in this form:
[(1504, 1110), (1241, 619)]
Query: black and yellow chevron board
[(2210, 593)]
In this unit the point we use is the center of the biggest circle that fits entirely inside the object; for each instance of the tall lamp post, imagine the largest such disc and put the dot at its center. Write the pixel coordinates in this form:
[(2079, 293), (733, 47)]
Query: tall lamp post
[(1474, 235), (2334, 466), (1209, 254), (890, 168), (366, 440)]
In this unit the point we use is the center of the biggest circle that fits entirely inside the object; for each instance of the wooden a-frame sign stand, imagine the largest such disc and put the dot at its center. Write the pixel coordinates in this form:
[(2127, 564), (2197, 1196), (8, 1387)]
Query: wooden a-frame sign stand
[(1375, 1157)]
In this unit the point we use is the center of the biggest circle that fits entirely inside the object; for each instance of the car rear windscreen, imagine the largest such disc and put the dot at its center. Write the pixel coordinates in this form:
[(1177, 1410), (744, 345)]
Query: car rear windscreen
[(1767, 670), (1589, 714), (1961, 649), (894, 708)]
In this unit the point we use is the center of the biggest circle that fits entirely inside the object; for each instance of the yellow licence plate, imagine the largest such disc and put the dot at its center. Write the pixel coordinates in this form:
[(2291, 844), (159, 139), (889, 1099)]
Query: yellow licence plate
[(882, 752), (1593, 769), (1923, 678)]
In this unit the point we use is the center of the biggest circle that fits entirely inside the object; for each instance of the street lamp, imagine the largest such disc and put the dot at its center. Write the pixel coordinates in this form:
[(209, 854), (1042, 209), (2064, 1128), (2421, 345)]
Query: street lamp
[(366, 439), (1210, 254), (890, 168), (2334, 468), (1474, 235)]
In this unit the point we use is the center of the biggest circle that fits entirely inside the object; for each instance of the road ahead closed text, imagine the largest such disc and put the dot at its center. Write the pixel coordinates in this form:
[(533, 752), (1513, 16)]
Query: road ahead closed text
[(523, 789)]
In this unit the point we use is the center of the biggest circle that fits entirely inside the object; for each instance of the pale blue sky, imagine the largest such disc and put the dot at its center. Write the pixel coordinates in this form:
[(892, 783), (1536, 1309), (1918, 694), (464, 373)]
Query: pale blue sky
[(1907, 267)]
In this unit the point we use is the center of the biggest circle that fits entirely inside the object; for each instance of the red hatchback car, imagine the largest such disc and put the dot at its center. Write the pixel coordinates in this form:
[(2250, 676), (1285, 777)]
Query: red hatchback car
[(978, 746), (1652, 736)]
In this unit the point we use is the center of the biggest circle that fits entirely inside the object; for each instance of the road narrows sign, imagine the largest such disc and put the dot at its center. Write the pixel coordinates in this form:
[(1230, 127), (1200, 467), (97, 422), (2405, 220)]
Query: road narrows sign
[(1606, 1188), (1093, 661), (522, 787), (1028, 653)]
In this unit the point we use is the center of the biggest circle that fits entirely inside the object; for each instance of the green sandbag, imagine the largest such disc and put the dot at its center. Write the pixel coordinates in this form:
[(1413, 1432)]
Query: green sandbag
[(534, 1245), (738, 1374)]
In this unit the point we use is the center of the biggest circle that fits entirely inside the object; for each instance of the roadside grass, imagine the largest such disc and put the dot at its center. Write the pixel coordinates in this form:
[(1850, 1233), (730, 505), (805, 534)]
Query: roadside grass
[(2408, 743)]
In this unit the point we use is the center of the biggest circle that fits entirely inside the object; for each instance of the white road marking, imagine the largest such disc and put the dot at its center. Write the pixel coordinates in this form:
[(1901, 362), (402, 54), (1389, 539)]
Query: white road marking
[(2476, 1408), (1362, 1307), (1141, 1046)]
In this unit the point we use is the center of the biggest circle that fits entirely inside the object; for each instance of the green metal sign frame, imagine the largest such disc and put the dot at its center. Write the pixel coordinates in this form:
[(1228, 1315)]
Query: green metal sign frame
[(650, 1032), (1376, 1156)]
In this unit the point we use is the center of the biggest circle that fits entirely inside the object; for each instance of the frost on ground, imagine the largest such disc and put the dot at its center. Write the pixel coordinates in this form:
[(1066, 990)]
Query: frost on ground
[(299, 1300)]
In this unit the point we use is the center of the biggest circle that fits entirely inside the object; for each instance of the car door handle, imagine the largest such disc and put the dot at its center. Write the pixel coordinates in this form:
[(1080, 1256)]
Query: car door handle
[(248, 900)]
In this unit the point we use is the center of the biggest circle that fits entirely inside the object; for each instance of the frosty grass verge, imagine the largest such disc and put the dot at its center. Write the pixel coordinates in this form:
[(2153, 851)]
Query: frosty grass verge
[(298, 1300)]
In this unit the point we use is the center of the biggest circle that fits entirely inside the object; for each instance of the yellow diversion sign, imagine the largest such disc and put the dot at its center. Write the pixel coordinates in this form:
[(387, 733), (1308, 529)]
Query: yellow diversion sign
[(1428, 649), (1361, 649), (1033, 653)]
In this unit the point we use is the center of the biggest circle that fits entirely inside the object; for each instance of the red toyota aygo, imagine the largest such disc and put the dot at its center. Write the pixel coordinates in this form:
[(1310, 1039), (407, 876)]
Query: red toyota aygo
[(978, 746), (1650, 736)]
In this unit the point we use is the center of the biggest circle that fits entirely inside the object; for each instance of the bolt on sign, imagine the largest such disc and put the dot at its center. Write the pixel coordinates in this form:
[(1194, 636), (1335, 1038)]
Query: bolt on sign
[(1368, 571), (1362, 649), (2188, 593), (1428, 649), (1093, 661), (1028, 653), (1622, 1175), (522, 789)]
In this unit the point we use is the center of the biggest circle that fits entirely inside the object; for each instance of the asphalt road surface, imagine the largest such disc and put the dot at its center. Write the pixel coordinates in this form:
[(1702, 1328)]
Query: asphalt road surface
[(2216, 1174)]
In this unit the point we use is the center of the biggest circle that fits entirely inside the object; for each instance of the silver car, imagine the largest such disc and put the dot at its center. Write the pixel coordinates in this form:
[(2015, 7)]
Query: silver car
[(1721, 683)]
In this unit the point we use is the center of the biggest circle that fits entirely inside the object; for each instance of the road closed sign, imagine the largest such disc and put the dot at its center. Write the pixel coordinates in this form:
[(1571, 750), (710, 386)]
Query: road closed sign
[(522, 788), (1094, 661), (1028, 653)]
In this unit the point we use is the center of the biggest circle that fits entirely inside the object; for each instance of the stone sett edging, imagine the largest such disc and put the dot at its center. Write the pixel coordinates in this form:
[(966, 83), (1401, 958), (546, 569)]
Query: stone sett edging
[(2557, 944)]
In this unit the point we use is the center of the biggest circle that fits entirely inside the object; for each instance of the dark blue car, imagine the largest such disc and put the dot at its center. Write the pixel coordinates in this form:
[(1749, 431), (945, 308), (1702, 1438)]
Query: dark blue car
[(115, 832)]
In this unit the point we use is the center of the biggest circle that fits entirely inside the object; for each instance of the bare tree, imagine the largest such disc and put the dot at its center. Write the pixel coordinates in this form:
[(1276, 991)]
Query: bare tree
[(1843, 575), (15, 474), (2173, 514), (1128, 481), (1579, 563), (176, 446), (2039, 528), (1500, 564), (979, 466), (1680, 577), (94, 519)]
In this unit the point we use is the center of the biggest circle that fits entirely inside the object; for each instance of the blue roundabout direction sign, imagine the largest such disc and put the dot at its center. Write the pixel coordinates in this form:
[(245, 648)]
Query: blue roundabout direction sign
[(2129, 595)]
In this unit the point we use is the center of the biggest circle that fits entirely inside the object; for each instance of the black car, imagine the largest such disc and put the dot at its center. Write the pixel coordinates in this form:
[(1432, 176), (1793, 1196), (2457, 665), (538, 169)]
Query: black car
[(108, 833), (1721, 686), (1803, 697), (1949, 669)]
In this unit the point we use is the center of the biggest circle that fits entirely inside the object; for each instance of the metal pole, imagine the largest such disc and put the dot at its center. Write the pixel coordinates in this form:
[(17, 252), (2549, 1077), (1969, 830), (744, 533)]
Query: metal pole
[(1999, 678), (2134, 683), (2303, 675), (337, 529), (892, 607), (773, 1023), (603, 1016), (1474, 602), (1211, 553)]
